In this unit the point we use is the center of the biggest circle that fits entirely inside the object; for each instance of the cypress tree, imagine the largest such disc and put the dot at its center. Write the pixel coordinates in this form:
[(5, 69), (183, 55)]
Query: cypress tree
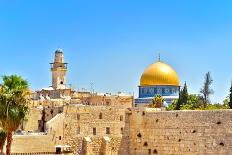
[(185, 94), (230, 103), (183, 97), (178, 102)]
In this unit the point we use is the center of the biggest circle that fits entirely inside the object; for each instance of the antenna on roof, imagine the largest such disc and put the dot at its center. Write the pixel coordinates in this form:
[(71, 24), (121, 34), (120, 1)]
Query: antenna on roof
[(158, 56)]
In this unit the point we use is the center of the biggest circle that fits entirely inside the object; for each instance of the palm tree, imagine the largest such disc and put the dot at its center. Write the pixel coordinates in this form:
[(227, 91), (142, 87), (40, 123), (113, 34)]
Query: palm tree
[(13, 105), (157, 102), (2, 140)]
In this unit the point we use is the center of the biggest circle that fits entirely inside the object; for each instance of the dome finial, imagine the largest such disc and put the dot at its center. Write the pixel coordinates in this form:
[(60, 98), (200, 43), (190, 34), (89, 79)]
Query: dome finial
[(159, 57)]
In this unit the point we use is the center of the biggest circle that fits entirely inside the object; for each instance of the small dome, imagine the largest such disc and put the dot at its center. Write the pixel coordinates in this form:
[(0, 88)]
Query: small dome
[(160, 74), (59, 50)]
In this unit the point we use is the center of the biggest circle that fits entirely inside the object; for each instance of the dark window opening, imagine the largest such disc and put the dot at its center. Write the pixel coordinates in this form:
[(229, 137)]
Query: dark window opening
[(58, 150), (179, 140), (61, 82), (157, 120), (94, 131), (121, 118), (100, 116), (59, 137), (143, 113), (194, 131), (107, 130), (219, 122)]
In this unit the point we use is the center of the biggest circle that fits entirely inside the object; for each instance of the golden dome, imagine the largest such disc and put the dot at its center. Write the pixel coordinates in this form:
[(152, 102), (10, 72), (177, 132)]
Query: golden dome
[(159, 73)]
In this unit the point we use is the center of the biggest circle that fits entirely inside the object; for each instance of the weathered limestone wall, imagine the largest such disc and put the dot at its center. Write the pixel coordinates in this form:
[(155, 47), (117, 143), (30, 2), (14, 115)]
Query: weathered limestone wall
[(33, 144), (134, 131), (31, 123), (55, 128), (80, 122), (112, 100), (180, 132)]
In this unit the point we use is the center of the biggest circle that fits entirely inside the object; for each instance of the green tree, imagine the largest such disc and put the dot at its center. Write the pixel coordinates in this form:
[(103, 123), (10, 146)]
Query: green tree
[(230, 101), (178, 102), (206, 90), (2, 140), (183, 97), (172, 106), (14, 99), (157, 102)]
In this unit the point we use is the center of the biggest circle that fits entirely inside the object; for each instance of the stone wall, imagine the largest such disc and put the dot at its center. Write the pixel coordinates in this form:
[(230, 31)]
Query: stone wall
[(55, 127), (133, 131), (32, 119), (108, 100), (81, 122), (179, 132), (33, 144)]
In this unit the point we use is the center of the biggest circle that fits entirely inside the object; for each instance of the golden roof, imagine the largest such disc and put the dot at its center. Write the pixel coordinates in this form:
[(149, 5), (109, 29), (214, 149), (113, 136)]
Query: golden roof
[(159, 73)]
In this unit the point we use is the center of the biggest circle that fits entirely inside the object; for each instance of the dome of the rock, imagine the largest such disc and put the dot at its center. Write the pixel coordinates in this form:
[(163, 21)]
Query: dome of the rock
[(159, 74)]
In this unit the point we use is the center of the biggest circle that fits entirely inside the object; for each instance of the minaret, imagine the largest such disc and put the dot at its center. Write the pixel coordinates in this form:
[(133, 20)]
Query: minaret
[(59, 70)]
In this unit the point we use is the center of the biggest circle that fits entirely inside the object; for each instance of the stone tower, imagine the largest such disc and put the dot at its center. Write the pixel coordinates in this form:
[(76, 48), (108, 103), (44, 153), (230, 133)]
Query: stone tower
[(59, 70)]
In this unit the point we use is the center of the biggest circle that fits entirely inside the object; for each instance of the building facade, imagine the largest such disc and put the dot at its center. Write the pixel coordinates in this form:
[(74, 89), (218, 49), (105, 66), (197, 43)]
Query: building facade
[(59, 88), (158, 79)]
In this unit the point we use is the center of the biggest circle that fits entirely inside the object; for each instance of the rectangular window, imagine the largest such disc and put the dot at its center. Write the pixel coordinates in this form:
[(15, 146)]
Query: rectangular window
[(94, 131), (59, 137), (100, 116), (107, 130), (121, 130), (121, 118)]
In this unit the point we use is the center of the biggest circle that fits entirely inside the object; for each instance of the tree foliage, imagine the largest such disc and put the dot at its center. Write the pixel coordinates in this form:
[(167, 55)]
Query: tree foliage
[(157, 102), (195, 102), (14, 98), (230, 100), (183, 97), (206, 90)]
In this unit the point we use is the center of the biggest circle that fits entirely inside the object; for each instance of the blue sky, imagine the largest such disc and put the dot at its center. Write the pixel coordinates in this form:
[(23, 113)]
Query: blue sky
[(111, 42)]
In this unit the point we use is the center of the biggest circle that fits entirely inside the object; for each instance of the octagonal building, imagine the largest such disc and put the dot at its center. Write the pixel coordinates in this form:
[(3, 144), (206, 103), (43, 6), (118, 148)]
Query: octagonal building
[(158, 78)]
